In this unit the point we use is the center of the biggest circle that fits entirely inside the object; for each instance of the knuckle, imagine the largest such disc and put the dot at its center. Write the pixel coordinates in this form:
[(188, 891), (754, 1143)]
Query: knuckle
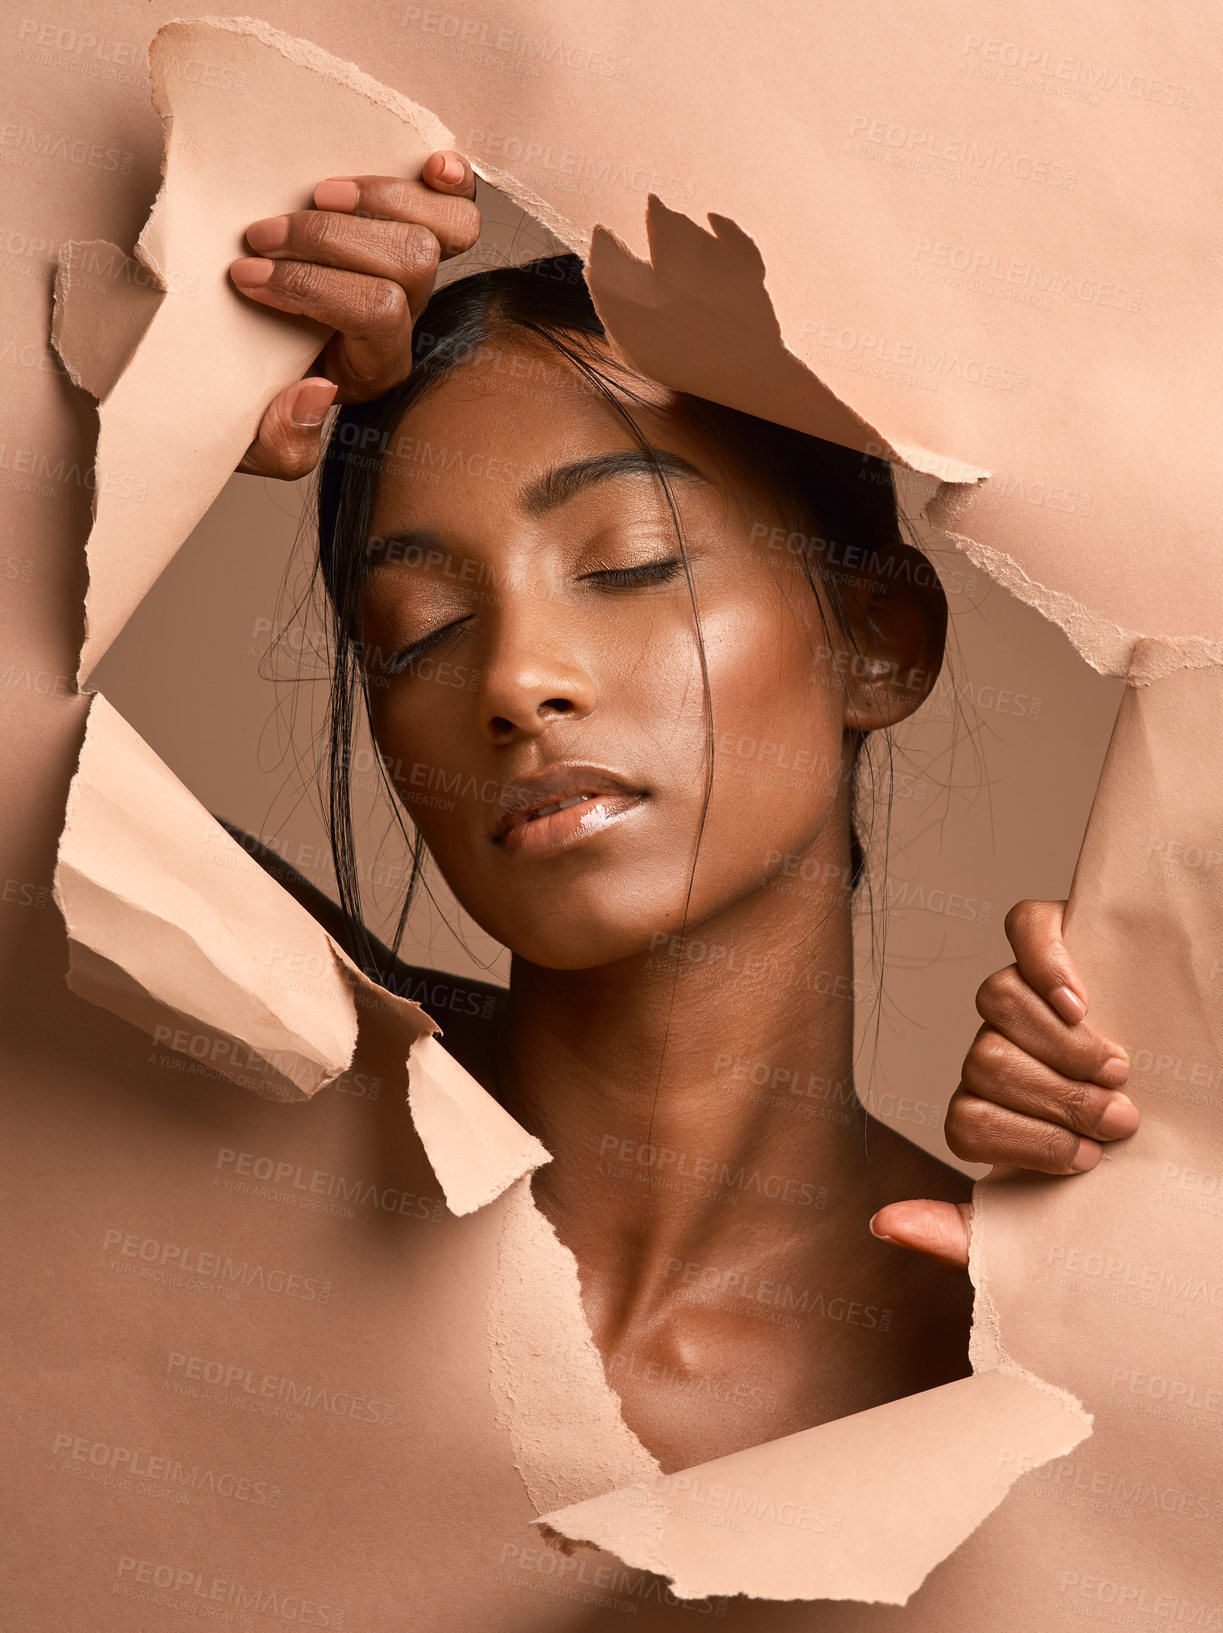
[(1075, 1101), (985, 1064), (968, 1117), (460, 225), (389, 196), (961, 1136), (421, 250), (301, 280), (996, 995), (1055, 1146), (1023, 919), (325, 230), (381, 304)]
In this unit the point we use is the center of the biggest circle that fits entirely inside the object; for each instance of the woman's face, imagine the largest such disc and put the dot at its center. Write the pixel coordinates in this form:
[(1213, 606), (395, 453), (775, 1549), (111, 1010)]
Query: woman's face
[(536, 678)]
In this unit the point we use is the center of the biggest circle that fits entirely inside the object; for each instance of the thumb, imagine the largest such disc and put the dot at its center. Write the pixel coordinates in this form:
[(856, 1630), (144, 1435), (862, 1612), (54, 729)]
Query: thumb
[(290, 436), (937, 1229)]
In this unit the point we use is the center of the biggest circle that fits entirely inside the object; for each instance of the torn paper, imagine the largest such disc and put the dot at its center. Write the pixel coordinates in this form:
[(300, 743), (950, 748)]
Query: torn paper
[(862, 1508), (463, 1117), (1029, 532)]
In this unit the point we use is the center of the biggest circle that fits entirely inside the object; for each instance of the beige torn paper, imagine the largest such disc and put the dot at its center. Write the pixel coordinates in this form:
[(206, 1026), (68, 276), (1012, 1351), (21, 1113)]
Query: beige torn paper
[(104, 301), (702, 283), (342, 122), (170, 927), (454, 1125), (337, 120), (1116, 1286), (863, 1508), (1015, 1423), (173, 927), (699, 283)]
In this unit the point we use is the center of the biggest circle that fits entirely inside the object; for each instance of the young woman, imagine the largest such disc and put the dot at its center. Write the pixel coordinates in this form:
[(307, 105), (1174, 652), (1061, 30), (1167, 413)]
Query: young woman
[(553, 585)]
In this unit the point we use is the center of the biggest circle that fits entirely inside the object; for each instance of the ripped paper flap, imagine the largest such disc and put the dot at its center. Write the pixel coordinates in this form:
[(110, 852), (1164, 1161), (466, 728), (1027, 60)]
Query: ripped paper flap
[(862, 1508), (343, 123), (174, 927), (698, 285)]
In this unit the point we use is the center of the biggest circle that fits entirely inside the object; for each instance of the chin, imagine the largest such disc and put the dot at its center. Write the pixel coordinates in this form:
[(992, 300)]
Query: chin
[(589, 947), (605, 916)]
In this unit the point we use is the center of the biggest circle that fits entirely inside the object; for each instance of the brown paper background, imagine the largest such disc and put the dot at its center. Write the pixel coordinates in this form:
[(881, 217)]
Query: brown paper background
[(106, 1137)]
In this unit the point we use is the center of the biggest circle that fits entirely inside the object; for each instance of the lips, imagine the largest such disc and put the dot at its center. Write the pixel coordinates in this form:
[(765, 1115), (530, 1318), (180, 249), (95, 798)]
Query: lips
[(561, 805)]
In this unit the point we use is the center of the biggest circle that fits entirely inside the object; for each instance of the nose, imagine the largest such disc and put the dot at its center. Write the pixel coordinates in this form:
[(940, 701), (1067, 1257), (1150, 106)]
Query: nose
[(533, 675)]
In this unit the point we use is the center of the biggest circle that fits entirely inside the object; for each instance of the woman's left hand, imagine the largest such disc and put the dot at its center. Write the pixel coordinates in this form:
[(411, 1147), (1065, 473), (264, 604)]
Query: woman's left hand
[(362, 262), (1039, 1089)]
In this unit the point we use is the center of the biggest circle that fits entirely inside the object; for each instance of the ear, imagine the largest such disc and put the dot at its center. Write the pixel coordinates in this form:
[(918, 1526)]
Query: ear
[(897, 621)]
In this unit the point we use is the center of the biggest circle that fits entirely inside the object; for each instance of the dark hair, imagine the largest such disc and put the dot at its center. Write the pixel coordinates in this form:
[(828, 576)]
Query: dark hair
[(840, 505)]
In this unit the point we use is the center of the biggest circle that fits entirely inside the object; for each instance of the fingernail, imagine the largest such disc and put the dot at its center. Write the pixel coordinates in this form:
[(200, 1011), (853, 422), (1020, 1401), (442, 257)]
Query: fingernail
[(451, 171), (880, 1235), (311, 403), (251, 272), (269, 234), (1086, 1157), (1114, 1072), (337, 194), (1119, 1118), (1068, 1005)]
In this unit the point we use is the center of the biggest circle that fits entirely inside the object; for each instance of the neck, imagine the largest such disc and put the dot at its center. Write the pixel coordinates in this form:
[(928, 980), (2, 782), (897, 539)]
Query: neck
[(697, 1099)]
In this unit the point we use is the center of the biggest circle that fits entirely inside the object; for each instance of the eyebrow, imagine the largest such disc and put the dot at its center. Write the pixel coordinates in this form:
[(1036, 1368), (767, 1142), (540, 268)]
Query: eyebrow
[(556, 487)]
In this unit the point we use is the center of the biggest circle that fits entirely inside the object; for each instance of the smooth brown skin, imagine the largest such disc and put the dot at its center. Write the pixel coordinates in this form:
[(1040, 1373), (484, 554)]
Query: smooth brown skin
[(533, 654)]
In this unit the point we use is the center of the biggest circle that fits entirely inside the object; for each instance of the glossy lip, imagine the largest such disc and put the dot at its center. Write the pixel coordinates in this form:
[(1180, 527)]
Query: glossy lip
[(600, 797)]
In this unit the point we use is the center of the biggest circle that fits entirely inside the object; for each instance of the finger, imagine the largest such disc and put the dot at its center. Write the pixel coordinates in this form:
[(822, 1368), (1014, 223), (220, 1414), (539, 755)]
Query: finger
[(1034, 930), (290, 439), (978, 1130), (1007, 1003), (449, 172), (937, 1229), (451, 217), (995, 1069), (404, 251), (372, 349)]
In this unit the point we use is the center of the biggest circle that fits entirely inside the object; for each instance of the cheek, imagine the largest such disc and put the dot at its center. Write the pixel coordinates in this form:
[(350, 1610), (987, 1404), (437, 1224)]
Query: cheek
[(421, 731), (779, 740)]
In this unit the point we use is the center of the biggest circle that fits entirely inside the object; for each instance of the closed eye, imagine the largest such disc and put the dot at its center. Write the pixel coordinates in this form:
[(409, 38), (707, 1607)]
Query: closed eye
[(627, 578), (406, 656)]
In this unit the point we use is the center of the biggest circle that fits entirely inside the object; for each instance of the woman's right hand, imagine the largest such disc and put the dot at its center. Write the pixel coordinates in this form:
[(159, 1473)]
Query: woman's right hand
[(1039, 1088), (363, 263)]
